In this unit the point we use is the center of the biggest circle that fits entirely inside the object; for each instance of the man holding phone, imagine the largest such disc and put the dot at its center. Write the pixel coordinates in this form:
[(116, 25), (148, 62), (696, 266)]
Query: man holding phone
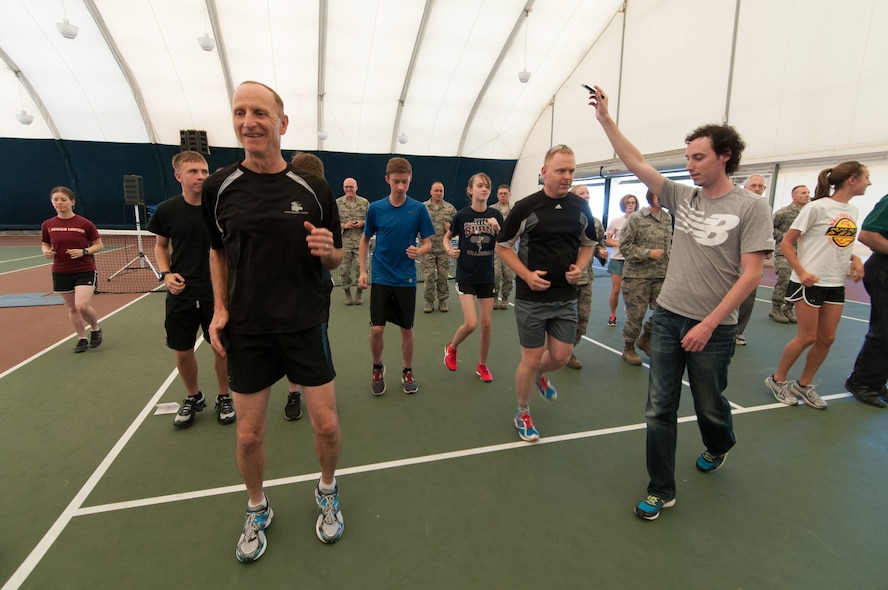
[(725, 232)]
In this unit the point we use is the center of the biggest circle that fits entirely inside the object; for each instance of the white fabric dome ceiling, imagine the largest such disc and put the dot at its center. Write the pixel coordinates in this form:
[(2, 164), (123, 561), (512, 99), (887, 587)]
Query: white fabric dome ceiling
[(442, 72)]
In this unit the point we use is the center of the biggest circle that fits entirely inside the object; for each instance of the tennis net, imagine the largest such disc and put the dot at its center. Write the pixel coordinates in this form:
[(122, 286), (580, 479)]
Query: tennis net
[(127, 264)]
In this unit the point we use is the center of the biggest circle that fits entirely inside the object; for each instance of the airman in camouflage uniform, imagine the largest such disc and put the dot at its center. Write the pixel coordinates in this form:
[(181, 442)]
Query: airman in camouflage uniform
[(436, 264), (781, 312), (645, 242), (504, 277), (352, 213), (584, 285)]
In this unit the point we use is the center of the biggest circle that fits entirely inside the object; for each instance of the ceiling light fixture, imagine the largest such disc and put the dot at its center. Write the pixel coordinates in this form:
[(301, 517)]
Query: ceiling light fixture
[(402, 139), (206, 42), (524, 75), (23, 117), (65, 28)]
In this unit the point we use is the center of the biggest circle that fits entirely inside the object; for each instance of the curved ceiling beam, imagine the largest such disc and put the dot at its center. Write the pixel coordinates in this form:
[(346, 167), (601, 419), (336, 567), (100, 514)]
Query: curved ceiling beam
[(32, 93), (408, 76), (213, 15), (124, 68), (322, 67), (493, 71)]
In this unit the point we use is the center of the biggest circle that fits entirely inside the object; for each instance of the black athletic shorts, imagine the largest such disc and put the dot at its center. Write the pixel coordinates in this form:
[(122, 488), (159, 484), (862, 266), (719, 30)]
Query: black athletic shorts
[(479, 290), (815, 296), (183, 318), (392, 304), (64, 282), (257, 361)]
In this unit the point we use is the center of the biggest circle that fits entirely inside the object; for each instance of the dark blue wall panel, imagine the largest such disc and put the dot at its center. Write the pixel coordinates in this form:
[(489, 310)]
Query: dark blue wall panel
[(95, 170)]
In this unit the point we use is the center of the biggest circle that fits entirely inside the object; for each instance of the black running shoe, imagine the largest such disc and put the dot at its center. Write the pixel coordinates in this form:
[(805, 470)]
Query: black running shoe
[(225, 409), (95, 338), (192, 404), (82, 345), (293, 409)]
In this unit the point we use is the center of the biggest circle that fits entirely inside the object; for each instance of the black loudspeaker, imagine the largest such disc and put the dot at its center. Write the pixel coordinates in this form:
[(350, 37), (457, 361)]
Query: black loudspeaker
[(133, 190), (193, 140)]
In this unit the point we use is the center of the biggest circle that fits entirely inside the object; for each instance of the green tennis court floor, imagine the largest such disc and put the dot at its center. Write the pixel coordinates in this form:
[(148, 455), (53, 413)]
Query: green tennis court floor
[(436, 489)]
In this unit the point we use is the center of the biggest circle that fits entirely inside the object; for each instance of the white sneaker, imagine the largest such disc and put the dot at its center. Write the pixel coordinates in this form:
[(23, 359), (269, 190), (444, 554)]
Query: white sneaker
[(780, 391)]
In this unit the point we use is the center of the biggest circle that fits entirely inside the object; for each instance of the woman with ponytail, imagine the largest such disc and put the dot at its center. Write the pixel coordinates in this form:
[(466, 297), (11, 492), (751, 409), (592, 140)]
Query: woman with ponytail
[(825, 231)]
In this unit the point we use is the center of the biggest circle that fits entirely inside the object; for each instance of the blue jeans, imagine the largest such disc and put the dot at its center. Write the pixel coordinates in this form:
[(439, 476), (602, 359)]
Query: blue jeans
[(708, 376)]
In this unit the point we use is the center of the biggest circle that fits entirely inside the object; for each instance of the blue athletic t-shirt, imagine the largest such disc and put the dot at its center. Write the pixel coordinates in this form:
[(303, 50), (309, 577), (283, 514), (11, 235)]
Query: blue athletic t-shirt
[(396, 229)]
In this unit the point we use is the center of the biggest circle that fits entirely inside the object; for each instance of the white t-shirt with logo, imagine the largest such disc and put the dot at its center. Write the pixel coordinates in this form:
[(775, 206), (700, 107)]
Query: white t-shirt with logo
[(710, 235), (828, 230)]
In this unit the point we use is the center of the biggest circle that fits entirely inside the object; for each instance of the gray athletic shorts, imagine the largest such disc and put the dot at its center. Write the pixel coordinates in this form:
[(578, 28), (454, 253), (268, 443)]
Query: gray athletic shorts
[(536, 319)]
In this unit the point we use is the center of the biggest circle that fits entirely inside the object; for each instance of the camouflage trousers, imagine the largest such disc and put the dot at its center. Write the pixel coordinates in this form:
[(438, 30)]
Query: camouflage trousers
[(349, 268), (434, 270), (783, 270), (638, 295), (584, 310), (503, 279)]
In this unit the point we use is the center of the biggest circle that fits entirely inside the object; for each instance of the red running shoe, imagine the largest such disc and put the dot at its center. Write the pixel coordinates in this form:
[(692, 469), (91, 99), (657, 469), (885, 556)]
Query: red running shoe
[(450, 357), (483, 373)]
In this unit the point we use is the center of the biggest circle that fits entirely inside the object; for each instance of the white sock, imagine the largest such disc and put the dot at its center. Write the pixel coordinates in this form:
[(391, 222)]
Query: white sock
[(326, 488), (256, 507)]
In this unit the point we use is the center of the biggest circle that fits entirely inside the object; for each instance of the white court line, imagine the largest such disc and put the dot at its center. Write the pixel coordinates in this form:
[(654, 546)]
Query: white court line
[(643, 364), (65, 339), (75, 508), (394, 464), (39, 551), (8, 272), (24, 258)]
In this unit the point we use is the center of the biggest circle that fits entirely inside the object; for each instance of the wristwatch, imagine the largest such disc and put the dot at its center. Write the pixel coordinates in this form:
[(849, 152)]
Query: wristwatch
[(163, 274), (85, 252)]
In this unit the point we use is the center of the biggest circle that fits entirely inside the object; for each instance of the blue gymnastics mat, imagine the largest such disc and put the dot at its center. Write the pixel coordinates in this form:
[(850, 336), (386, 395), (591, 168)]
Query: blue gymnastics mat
[(29, 300)]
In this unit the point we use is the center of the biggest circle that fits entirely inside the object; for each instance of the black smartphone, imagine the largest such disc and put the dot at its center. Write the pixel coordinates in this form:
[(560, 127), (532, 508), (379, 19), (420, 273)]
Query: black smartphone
[(589, 88)]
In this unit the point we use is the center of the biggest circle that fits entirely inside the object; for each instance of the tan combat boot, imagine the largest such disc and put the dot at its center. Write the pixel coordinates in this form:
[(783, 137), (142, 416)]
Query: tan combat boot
[(644, 343), (777, 315), (629, 354)]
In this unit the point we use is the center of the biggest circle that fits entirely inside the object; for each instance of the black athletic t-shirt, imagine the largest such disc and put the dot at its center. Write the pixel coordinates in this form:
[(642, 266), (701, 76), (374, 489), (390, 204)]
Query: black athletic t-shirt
[(274, 283), (477, 242), (551, 232), (184, 225)]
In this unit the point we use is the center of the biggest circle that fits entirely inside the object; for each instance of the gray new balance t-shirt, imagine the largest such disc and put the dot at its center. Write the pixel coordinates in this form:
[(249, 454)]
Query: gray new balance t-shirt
[(710, 235)]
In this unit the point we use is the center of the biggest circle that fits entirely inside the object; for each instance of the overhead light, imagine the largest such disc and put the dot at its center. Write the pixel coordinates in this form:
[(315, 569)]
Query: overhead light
[(206, 42), (403, 138), (24, 118), (322, 135), (67, 30), (524, 75)]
